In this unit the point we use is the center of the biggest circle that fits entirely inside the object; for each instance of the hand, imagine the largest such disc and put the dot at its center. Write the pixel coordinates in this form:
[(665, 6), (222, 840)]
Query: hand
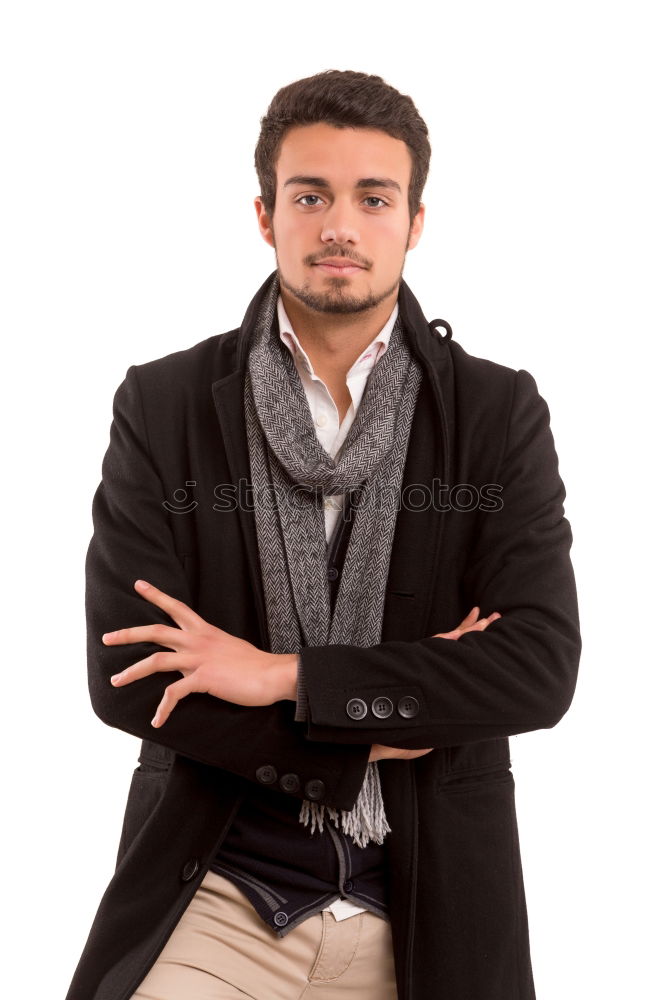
[(211, 661), (379, 752), (468, 624)]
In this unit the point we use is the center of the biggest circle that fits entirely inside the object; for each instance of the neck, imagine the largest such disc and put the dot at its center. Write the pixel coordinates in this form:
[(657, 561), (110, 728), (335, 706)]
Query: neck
[(333, 341)]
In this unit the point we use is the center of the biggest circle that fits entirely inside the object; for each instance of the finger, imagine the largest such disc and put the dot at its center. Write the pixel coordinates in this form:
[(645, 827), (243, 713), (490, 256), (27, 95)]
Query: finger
[(477, 626), (155, 663), (470, 618), (453, 634), (181, 613), (483, 623), (491, 618), (163, 635), (173, 693)]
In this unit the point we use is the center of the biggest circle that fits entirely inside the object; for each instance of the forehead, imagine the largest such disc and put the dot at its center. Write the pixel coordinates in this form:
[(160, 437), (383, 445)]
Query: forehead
[(342, 155)]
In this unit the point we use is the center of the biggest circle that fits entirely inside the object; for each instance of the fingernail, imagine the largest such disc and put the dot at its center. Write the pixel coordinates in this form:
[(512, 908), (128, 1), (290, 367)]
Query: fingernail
[(107, 636), (115, 678), (154, 721), (141, 584)]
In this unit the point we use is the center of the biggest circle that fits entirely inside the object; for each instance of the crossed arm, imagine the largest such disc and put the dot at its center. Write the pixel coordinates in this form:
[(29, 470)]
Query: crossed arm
[(519, 677), (215, 662)]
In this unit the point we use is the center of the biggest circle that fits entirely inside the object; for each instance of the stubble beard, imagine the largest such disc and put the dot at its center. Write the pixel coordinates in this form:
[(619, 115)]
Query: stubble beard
[(337, 299)]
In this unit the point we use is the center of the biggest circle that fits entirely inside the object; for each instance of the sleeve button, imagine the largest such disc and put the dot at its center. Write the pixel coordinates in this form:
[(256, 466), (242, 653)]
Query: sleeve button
[(382, 708), (356, 708), (290, 782), (408, 707), (314, 789)]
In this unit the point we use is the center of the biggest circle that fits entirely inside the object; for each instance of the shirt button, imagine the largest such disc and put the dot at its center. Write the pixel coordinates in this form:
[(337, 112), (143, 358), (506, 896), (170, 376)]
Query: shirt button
[(190, 868), (281, 918), (321, 420)]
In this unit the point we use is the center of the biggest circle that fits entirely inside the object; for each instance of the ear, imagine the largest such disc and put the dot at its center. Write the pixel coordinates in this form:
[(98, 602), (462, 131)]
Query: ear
[(417, 227), (264, 220)]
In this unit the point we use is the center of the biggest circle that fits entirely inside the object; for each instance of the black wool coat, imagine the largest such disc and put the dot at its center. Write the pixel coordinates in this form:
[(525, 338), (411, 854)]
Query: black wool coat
[(481, 523)]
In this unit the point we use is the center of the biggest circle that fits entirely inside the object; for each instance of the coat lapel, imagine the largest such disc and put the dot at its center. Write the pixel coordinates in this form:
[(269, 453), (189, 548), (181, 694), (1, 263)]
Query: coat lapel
[(419, 524), (418, 538), (228, 397)]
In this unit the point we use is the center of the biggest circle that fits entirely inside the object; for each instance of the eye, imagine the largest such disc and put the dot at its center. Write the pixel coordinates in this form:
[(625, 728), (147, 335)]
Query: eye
[(304, 200), (308, 204)]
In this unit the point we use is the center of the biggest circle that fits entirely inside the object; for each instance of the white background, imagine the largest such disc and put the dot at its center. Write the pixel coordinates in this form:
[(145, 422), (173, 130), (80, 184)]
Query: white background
[(128, 232)]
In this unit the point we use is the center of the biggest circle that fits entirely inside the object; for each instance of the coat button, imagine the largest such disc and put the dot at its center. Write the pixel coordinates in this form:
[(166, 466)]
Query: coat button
[(190, 868), (314, 789), (408, 707), (382, 707), (332, 573), (356, 708), (280, 918), (290, 782), (348, 885), (267, 774)]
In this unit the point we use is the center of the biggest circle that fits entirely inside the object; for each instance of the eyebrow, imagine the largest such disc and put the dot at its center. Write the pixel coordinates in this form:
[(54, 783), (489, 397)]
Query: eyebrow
[(364, 182)]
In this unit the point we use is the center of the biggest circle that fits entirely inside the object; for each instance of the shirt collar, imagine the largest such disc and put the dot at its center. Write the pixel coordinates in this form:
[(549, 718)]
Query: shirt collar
[(366, 359)]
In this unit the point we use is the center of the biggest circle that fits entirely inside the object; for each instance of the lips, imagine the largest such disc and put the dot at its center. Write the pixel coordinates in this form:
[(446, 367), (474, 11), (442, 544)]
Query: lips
[(340, 266)]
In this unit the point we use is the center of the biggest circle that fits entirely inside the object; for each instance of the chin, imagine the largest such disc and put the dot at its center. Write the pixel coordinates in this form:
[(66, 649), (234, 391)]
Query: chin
[(342, 296)]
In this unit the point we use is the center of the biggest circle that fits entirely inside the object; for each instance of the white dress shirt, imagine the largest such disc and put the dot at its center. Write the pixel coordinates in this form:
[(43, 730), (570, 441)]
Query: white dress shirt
[(331, 435)]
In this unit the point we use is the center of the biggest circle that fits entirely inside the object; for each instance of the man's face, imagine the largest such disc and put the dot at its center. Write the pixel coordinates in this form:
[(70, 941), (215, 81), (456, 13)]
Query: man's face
[(341, 196)]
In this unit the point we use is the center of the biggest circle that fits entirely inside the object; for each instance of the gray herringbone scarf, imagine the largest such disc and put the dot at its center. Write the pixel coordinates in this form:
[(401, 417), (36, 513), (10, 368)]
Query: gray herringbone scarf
[(284, 451)]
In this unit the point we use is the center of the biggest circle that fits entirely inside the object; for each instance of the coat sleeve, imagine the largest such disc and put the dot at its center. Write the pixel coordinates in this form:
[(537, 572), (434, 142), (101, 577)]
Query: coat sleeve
[(301, 713), (132, 539), (517, 675)]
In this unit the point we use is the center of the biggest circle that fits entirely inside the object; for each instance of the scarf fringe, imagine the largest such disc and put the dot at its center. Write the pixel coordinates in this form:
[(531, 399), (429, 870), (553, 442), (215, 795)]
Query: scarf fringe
[(365, 822)]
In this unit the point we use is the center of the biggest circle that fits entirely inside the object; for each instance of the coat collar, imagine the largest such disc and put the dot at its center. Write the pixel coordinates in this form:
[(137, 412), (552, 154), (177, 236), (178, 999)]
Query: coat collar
[(418, 533)]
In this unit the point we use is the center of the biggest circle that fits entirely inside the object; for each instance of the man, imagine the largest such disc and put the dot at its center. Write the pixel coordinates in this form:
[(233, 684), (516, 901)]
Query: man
[(329, 577)]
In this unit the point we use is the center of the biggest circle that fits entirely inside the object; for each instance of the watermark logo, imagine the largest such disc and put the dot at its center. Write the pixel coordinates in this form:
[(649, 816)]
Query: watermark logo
[(415, 497)]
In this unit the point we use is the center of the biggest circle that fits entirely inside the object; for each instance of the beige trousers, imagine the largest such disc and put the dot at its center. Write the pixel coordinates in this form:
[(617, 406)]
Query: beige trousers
[(221, 949)]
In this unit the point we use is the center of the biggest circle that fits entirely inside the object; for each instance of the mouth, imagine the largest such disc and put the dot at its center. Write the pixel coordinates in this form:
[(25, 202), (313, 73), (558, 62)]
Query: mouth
[(339, 267)]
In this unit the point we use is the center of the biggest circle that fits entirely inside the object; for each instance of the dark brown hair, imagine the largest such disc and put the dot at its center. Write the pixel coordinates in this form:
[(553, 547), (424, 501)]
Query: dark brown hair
[(342, 98)]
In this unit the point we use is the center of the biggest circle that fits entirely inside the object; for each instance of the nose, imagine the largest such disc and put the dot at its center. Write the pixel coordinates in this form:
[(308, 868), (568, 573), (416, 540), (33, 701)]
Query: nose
[(338, 229)]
